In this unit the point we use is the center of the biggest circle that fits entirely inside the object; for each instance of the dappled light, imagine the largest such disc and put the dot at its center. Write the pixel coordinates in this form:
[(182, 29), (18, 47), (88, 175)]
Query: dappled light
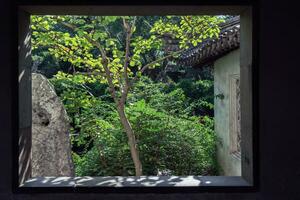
[(132, 181)]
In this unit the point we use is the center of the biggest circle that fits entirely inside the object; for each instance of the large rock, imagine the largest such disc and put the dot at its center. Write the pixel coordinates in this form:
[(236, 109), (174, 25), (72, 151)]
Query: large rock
[(51, 147)]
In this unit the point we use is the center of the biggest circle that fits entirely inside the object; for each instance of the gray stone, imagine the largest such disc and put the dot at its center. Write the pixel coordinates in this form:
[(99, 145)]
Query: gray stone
[(51, 147)]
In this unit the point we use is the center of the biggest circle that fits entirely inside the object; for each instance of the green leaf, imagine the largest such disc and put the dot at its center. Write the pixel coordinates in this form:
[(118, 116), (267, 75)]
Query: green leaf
[(117, 60), (97, 35), (132, 63), (80, 33)]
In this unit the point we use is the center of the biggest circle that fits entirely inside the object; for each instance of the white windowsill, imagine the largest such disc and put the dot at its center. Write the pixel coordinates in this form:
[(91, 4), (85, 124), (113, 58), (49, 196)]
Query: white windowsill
[(132, 181)]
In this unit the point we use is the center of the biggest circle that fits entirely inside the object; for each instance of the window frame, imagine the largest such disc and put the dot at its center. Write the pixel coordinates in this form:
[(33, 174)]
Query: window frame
[(249, 85), (233, 126)]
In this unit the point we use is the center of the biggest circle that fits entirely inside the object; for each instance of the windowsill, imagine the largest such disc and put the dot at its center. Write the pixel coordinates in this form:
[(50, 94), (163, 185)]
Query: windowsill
[(131, 181)]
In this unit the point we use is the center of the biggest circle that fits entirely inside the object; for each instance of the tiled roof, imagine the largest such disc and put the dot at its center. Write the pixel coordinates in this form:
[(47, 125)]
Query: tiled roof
[(212, 49)]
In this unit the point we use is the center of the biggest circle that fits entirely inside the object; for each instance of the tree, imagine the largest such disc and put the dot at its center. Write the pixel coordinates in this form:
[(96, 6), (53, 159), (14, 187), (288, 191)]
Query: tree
[(87, 43)]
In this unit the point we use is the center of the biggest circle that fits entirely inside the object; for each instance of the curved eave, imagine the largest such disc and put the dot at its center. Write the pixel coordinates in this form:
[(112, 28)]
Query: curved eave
[(212, 49)]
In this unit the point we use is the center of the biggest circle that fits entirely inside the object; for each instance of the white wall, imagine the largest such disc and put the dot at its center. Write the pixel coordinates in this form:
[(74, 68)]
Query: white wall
[(224, 68)]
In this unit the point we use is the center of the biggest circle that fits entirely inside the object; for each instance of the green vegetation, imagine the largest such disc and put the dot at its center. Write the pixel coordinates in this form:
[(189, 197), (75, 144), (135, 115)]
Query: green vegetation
[(169, 135), (124, 122)]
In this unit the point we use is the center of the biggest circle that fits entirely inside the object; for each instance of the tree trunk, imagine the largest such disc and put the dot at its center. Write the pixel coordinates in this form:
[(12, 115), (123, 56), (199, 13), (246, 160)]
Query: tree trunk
[(131, 140)]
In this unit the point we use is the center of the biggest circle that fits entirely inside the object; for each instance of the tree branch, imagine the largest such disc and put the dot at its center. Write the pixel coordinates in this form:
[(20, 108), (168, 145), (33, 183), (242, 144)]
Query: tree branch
[(91, 73), (129, 31), (104, 60), (189, 23), (158, 60)]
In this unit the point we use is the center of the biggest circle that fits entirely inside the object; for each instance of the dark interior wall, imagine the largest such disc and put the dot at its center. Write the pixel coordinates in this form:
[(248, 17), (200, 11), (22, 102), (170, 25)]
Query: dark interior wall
[(5, 105), (279, 155)]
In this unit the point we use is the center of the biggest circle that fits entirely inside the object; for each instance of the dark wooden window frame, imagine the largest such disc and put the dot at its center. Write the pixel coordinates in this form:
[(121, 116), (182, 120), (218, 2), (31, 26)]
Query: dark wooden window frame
[(249, 95)]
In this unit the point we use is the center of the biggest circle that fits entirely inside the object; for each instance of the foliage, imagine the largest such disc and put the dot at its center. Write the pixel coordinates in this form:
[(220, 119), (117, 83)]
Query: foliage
[(108, 56), (187, 97), (75, 39), (165, 142), (189, 30), (163, 131)]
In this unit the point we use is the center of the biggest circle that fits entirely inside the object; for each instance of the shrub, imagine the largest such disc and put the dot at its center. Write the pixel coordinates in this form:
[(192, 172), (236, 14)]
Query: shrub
[(187, 97), (169, 136), (181, 145)]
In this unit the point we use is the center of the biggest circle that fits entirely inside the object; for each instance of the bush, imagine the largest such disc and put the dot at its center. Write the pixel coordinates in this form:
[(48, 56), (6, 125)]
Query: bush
[(181, 145), (187, 97), (169, 136)]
